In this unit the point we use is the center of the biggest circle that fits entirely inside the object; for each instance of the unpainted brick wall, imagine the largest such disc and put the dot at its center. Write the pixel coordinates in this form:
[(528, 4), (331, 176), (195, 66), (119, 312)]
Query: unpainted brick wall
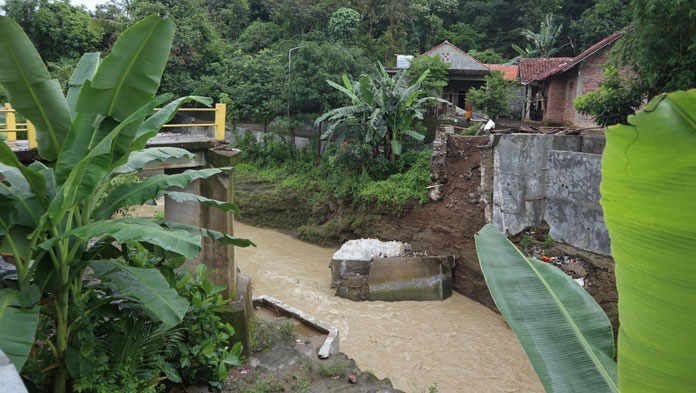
[(561, 90)]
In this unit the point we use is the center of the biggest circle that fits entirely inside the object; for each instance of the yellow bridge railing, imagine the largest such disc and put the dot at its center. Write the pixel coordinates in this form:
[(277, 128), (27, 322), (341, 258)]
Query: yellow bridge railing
[(11, 127)]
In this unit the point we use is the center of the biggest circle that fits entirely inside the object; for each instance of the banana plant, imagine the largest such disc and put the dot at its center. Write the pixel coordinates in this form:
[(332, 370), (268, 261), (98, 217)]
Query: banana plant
[(648, 196), (384, 109), (52, 210)]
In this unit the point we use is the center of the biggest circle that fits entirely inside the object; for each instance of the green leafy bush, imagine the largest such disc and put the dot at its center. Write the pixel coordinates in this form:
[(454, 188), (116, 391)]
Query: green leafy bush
[(402, 187), (612, 102), (492, 98), (204, 355)]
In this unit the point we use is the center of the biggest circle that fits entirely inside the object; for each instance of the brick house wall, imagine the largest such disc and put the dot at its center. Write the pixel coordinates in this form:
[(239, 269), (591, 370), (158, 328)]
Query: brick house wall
[(555, 93), (561, 89), (591, 71)]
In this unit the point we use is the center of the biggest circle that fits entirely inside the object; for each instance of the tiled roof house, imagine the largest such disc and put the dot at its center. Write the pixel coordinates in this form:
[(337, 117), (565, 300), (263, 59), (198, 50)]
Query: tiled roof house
[(551, 84), (465, 72)]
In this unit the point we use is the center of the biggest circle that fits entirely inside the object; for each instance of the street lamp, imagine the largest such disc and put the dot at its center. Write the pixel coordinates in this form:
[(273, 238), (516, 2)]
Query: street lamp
[(292, 134)]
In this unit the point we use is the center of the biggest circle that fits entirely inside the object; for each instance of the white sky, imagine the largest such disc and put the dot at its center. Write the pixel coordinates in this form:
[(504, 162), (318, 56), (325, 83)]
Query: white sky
[(90, 4)]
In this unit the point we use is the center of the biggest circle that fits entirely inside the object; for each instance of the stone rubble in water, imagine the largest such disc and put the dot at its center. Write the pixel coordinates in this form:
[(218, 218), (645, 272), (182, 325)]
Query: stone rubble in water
[(367, 249)]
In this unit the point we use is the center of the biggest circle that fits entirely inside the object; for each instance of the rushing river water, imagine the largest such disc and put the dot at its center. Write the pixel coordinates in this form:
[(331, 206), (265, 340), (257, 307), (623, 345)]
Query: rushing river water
[(458, 343)]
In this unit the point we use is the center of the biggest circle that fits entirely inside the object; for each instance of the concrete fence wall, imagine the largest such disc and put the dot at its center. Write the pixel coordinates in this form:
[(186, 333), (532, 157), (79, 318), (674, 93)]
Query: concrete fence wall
[(552, 178)]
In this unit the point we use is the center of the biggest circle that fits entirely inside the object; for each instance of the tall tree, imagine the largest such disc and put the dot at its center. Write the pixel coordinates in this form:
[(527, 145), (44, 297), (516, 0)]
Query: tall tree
[(344, 24), (599, 21), (57, 28), (197, 45), (544, 42), (313, 65), (660, 47)]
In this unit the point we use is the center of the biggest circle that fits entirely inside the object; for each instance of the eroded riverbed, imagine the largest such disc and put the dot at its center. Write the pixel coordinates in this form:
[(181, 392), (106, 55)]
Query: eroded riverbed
[(458, 343)]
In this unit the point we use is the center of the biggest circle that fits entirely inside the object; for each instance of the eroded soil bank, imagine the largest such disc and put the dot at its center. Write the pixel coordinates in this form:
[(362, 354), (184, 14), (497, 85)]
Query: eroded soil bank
[(444, 227), (458, 343)]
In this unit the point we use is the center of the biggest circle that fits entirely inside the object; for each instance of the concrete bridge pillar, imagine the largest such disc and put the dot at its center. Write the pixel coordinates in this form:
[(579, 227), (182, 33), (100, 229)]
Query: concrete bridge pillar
[(215, 256)]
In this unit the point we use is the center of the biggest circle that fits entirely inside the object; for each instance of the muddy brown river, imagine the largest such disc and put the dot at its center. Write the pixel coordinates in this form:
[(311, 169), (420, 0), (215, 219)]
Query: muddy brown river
[(458, 343)]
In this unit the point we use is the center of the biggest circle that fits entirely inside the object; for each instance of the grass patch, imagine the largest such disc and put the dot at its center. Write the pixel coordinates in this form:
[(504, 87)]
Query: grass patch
[(265, 385), (399, 188), (264, 334), (333, 369)]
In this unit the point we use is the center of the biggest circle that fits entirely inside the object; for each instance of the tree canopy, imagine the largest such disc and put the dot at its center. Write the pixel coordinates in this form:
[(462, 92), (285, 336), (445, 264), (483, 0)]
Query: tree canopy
[(350, 36)]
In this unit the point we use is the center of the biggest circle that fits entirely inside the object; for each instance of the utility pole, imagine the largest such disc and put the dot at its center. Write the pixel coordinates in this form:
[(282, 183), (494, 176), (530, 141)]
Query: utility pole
[(292, 132)]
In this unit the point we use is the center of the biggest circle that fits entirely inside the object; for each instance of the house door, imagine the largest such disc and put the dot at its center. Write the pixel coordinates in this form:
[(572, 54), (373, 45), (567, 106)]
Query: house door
[(461, 99)]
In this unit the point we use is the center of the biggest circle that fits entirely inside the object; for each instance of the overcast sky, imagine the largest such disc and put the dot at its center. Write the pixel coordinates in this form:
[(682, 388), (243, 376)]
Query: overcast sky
[(88, 3)]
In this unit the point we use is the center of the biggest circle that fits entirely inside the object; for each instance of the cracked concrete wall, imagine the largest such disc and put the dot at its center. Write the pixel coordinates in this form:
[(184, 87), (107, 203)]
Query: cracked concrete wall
[(553, 178), (572, 209), (519, 179)]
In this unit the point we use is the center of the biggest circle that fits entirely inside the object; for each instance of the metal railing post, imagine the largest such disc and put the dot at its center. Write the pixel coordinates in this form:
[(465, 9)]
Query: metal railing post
[(10, 122), (31, 135), (220, 113)]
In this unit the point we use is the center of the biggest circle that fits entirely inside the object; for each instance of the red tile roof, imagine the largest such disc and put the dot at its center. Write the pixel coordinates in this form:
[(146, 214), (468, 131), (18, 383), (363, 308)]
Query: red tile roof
[(587, 53), (510, 71), (535, 68)]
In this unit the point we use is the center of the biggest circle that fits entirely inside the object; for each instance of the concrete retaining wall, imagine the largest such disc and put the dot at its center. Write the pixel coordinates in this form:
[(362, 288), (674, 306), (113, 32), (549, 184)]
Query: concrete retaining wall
[(553, 178), (519, 178), (572, 204)]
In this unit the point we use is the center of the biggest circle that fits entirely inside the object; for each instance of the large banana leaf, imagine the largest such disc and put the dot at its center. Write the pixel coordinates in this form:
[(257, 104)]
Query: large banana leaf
[(215, 235), (129, 76), (151, 289), (150, 127), (27, 207), (84, 176), (138, 160), (85, 70), (33, 177), (31, 90), (17, 327), (135, 194), (564, 332), (188, 197), (135, 229), (649, 199)]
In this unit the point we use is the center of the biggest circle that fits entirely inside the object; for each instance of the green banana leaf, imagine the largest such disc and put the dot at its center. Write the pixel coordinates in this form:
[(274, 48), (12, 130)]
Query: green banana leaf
[(151, 289), (35, 180), (153, 124), (188, 197), (135, 194), (564, 332), (125, 230), (88, 172), (17, 327), (138, 160), (649, 198), (85, 70), (31, 90), (215, 235), (129, 76)]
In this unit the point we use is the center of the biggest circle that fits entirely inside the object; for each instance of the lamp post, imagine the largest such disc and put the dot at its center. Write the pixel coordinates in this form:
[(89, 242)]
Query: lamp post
[(292, 133)]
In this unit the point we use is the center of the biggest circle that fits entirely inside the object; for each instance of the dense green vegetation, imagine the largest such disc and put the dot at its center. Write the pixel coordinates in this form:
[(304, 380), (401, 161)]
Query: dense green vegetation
[(237, 50), (659, 52), (343, 173)]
